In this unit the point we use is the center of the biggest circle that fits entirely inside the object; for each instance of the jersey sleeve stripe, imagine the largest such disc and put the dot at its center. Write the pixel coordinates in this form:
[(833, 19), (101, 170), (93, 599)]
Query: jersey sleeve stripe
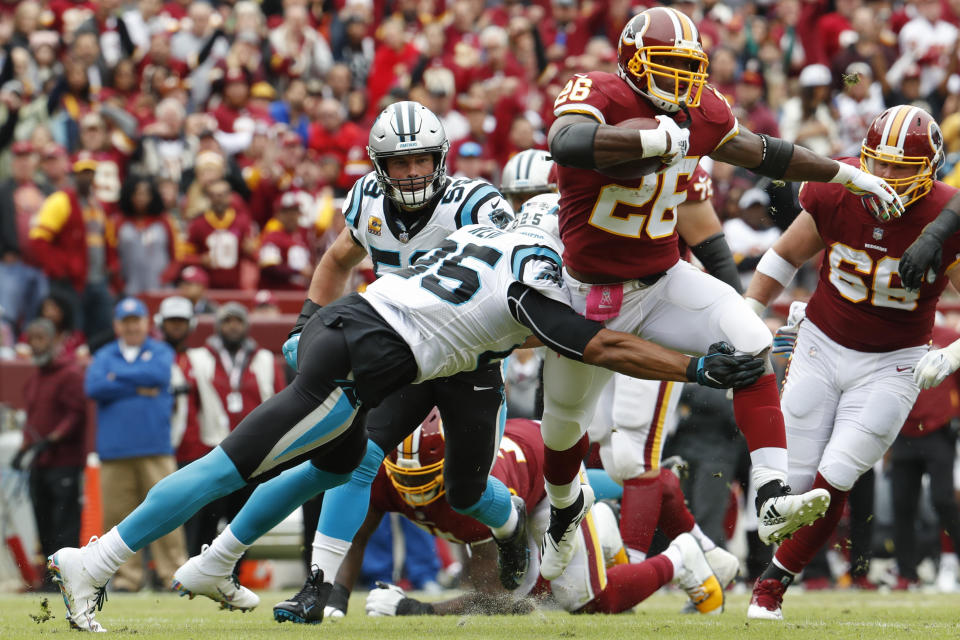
[(734, 131), (584, 109), (522, 254), (467, 213), (353, 215)]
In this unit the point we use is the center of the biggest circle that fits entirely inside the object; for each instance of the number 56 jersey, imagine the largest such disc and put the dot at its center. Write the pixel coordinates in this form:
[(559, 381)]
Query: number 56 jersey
[(395, 240), (453, 306), (859, 301)]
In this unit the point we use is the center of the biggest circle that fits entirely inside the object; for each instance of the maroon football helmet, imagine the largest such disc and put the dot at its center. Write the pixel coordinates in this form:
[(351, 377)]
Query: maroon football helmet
[(416, 466), (661, 57), (907, 136)]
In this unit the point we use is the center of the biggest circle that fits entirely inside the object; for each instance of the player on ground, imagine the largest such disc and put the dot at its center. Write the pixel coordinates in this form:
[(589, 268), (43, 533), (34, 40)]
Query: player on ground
[(395, 214), (599, 580), (618, 223), (860, 351), (469, 302)]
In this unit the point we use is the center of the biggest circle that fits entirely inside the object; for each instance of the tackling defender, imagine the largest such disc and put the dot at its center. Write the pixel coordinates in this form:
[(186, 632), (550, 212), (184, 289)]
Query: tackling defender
[(861, 353), (621, 256)]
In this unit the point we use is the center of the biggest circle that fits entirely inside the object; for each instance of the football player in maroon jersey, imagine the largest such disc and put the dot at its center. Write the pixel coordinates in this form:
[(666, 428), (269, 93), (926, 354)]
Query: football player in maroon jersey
[(858, 362), (599, 580), (619, 224)]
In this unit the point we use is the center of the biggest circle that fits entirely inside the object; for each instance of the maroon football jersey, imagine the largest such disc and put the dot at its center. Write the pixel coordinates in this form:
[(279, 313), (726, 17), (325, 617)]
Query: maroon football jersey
[(223, 240), (860, 302), (519, 465), (284, 258), (626, 228)]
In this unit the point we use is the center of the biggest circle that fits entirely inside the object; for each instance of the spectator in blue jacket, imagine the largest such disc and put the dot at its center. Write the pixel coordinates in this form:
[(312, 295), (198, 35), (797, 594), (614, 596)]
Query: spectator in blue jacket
[(129, 379)]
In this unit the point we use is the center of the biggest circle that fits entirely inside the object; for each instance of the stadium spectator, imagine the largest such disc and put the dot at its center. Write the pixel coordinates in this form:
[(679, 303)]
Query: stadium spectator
[(926, 446), (284, 250), (54, 438), (22, 286), (72, 240), (220, 238), (130, 381), (331, 133), (192, 285), (755, 114), (70, 340), (299, 50), (147, 244), (857, 105), (55, 166), (807, 119)]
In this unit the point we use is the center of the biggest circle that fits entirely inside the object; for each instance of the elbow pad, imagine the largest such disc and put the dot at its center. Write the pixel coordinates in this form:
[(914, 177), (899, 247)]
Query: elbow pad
[(714, 254), (573, 145), (776, 157)]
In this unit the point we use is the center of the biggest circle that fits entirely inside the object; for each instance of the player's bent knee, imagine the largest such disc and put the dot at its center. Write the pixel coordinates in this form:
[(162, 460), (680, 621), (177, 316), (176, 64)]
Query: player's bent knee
[(559, 432), (839, 476), (346, 453), (745, 330), (621, 460)]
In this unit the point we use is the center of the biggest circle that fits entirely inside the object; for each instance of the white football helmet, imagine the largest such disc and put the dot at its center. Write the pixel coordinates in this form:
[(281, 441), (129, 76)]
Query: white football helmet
[(525, 175), (402, 129), (539, 215)]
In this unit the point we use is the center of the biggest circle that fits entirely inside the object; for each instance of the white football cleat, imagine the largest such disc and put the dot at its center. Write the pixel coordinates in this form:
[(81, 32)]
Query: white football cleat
[(766, 601), (780, 516), (696, 577), (725, 565), (81, 595), (190, 581), (557, 554)]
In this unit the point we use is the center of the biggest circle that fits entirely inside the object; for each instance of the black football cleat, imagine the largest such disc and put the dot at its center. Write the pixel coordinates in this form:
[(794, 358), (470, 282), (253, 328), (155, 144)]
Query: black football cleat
[(513, 553), (307, 606)]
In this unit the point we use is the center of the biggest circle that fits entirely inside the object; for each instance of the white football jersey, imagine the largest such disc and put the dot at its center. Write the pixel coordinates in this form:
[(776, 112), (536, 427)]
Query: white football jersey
[(391, 244), (451, 307)]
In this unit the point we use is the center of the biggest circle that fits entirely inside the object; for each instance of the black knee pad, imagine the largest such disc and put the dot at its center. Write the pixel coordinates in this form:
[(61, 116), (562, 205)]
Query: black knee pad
[(345, 452)]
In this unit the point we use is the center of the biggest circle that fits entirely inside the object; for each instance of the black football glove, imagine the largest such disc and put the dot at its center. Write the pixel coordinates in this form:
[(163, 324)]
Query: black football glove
[(306, 312), (921, 257), (721, 369)]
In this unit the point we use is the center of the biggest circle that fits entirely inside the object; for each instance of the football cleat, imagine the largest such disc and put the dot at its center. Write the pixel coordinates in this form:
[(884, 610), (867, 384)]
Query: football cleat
[(558, 551), (725, 565), (513, 555), (781, 515), (81, 595), (307, 606), (766, 600), (190, 580), (696, 577)]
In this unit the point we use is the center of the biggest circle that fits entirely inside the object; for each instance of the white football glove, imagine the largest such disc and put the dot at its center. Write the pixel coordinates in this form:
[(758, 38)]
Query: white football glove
[(332, 613), (880, 198), (785, 339), (383, 600), (668, 141), (935, 366)]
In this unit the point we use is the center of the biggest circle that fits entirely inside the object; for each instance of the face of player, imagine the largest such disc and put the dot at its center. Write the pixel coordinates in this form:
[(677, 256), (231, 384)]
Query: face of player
[(892, 171), (414, 170)]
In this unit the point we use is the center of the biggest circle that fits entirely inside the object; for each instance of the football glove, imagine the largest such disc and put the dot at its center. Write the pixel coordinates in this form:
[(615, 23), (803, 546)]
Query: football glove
[(668, 141), (721, 369), (880, 199), (785, 339), (383, 600), (921, 257), (936, 365)]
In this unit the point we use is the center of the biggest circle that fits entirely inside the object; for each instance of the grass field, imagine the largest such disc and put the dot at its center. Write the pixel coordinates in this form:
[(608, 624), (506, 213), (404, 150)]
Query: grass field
[(823, 615)]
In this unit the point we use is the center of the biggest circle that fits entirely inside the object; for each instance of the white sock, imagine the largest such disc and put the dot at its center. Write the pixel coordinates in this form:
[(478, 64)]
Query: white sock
[(781, 567), (507, 528), (675, 557), (104, 556), (328, 554), (223, 553), (563, 495), (635, 555), (761, 474), (948, 561), (705, 542)]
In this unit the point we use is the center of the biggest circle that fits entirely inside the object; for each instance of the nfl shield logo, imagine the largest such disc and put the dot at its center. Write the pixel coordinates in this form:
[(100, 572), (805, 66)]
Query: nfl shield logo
[(877, 233)]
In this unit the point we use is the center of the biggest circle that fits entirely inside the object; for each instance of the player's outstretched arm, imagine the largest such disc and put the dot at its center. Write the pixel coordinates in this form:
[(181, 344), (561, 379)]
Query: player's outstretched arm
[(781, 160), (800, 242), (922, 258), (583, 143), (563, 330), (333, 271), (938, 364)]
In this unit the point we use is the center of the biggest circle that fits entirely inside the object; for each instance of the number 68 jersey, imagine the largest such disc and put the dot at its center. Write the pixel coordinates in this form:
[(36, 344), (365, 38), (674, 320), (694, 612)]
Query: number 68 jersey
[(395, 241), (860, 302), (453, 306)]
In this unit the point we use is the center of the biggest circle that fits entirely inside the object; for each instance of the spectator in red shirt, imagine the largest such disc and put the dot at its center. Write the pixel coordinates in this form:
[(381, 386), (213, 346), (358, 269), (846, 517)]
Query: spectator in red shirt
[(331, 133), (393, 62), (754, 112), (55, 438), (284, 250), (221, 237)]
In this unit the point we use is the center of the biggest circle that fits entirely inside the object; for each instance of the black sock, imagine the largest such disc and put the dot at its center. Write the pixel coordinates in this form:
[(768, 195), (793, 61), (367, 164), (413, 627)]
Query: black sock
[(770, 490), (560, 518), (776, 573)]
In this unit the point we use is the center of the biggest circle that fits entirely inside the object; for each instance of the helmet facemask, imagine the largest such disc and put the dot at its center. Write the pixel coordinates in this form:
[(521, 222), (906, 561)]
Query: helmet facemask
[(411, 193), (910, 188), (418, 486), (647, 67)]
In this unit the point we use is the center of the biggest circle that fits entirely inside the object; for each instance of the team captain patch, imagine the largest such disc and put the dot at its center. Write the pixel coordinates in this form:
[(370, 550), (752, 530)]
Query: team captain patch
[(375, 225)]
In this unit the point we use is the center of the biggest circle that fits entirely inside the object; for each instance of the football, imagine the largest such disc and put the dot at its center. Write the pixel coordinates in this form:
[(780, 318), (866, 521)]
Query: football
[(638, 168)]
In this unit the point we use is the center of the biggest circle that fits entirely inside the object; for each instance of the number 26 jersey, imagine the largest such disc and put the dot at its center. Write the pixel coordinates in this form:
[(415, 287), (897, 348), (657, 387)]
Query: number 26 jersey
[(860, 302)]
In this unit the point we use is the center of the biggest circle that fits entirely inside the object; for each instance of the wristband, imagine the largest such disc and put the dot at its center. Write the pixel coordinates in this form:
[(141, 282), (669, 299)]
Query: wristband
[(412, 607), (653, 142), (772, 264), (845, 173)]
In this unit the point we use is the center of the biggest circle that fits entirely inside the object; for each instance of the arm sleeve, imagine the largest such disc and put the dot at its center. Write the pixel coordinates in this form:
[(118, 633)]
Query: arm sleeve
[(554, 323)]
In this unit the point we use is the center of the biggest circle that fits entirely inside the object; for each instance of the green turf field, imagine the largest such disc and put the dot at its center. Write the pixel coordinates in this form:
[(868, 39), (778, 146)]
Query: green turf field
[(822, 615)]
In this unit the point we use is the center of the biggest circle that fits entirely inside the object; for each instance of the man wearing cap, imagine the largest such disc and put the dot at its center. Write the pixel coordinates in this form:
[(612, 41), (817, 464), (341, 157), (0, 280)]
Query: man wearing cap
[(129, 379), (221, 237), (22, 286), (192, 285), (284, 251), (72, 241)]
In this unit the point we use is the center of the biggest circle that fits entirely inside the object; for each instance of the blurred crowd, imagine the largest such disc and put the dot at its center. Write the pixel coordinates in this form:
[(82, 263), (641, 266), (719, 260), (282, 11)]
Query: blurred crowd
[(191, 146)]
